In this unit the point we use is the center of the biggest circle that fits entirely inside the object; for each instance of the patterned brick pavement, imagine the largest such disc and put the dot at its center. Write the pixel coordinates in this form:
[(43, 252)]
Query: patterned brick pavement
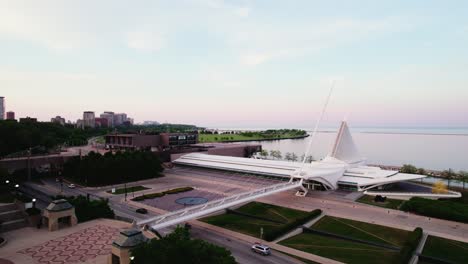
[(76, 247)]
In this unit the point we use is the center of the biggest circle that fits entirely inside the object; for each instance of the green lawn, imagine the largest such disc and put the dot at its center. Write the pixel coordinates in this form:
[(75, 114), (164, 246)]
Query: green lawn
[(341, 250), (450, 250), (363, 231), (237, 137), (389, 203), (251, 226), (129, 189)]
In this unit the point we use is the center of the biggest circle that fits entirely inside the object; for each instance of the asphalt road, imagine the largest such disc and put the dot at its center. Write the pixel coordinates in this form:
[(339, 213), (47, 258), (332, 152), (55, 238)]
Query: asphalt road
[(241, 250)]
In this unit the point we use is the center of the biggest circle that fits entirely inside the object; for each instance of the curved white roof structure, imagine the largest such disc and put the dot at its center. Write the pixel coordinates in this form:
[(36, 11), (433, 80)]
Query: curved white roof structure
[(344, 166)]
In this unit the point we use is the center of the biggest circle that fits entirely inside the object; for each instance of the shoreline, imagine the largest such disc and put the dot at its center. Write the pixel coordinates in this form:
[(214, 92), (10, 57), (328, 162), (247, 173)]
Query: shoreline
[(254, 140)]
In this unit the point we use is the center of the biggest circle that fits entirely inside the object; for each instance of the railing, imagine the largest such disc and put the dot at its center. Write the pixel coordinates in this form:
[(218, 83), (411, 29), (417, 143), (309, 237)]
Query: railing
[(449, 194), (216, 205)]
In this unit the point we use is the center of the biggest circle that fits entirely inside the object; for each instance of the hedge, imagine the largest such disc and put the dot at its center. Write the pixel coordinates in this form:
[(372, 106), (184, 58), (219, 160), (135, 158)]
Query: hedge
[(411, 243), (447, 209), (161, 194), (276, 233)]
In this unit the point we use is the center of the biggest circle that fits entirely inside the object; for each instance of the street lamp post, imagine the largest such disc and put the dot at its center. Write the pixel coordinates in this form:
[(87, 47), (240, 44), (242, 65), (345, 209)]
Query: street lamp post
[(16, 189), (34, 202)]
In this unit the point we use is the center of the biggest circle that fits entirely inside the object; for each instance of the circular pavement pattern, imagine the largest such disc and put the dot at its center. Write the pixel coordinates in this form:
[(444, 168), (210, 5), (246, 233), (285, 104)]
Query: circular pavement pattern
[(191, 200)]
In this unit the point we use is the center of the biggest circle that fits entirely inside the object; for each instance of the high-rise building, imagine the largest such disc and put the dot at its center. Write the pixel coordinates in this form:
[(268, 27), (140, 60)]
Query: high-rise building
[(88, 119), (58, 119), (2, 107), (10, 115), (101, 122), (119, 119), (110, 118)]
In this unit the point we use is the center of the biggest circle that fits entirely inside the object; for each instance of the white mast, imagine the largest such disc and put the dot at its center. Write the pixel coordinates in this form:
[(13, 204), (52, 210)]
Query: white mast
[(312, 137)]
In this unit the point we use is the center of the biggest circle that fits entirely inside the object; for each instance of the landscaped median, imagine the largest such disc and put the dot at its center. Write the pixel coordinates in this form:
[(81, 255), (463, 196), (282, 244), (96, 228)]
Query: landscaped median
[(441, 250), (448, 210), (128, 189), (161, 194), (262, 220), (352, 241), (389, 203)]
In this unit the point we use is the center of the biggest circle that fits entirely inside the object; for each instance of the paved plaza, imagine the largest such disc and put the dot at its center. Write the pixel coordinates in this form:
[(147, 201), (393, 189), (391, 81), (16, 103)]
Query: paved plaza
[(89, 242), (168, 202)]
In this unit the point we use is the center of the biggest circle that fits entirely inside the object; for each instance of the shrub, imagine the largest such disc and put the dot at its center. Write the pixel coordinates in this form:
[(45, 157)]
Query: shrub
[(445, 209), (86, 210), (274, 234), (178, 190), (161, 194), (411, 243), (33, 211)]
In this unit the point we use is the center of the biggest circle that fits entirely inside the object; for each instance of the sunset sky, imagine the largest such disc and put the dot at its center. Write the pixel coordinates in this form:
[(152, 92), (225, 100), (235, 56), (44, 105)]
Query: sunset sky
[(238, 63)]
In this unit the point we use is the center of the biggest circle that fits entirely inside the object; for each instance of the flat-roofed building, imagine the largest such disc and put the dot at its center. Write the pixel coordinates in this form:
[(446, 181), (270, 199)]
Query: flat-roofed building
[(10, 115), (161, 142), (89, 119), (2, 107)]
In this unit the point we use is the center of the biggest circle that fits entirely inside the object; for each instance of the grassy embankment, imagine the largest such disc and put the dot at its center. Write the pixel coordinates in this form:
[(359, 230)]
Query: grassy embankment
[(446, 249), (280, 217), (389, 203), (349, 251)]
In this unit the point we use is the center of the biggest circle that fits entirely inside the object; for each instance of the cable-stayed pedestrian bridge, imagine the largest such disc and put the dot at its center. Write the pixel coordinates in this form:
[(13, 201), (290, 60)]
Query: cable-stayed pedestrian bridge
[(196, 211)]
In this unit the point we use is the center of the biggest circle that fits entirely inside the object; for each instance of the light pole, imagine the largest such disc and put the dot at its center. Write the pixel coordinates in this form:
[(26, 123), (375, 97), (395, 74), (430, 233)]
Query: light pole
[(16, 189), (34, 202)]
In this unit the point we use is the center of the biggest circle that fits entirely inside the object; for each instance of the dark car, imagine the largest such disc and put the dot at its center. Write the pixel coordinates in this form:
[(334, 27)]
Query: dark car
[(141, 211)]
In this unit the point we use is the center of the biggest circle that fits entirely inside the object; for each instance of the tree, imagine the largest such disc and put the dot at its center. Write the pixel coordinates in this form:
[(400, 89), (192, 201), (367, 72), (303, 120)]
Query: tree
[(463, 177), (273, 153), (309, 159), (278, 154), (287, 156), (264, 153), (408, 168), (422, 171), (448, 175), (294, 157), (177, 247), (439, 187)]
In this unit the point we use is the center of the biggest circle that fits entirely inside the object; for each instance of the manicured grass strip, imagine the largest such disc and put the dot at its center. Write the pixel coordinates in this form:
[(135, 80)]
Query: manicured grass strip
[(129, 189), (341, 250), (446, 249), (282, 220), (284, 229), (363, 231), (161, 194), (241, 224), (389, 203), (273, 212), (448, 210), (406, 253)]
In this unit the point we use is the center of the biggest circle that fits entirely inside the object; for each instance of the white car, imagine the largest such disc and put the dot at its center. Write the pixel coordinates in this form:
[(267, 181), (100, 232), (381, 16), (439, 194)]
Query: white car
[(261, 249), (71, 186)]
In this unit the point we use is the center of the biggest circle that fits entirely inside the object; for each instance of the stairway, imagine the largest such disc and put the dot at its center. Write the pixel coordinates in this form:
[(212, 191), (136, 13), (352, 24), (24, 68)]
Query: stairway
[(11, 217)]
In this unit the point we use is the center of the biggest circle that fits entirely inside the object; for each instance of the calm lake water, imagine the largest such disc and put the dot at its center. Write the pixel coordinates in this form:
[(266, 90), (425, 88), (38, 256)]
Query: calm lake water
[(435, 149)]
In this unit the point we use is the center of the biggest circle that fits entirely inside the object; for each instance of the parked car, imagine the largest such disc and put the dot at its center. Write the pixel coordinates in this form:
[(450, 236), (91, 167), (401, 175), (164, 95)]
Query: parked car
[(187, 226), (71, 186), (261, 249), (141, 211)]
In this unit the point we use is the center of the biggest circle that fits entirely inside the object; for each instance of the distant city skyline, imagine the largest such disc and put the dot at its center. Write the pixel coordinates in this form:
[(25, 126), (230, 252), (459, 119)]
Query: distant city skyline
[(238, 63)]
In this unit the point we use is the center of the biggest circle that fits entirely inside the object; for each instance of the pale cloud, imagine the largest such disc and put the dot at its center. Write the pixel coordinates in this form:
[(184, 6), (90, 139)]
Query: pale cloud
[(262, 43), (238, 10), (50, 27), (146, 40)]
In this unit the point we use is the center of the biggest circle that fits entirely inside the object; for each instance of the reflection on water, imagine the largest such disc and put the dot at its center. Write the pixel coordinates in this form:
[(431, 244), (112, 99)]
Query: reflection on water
[(437, 152)]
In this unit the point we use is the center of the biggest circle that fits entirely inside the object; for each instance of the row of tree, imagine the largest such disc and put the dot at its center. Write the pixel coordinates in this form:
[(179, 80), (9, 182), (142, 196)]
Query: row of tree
[(289, 156), (179, 248), (449, 174), (40, 137), (113, 168)]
